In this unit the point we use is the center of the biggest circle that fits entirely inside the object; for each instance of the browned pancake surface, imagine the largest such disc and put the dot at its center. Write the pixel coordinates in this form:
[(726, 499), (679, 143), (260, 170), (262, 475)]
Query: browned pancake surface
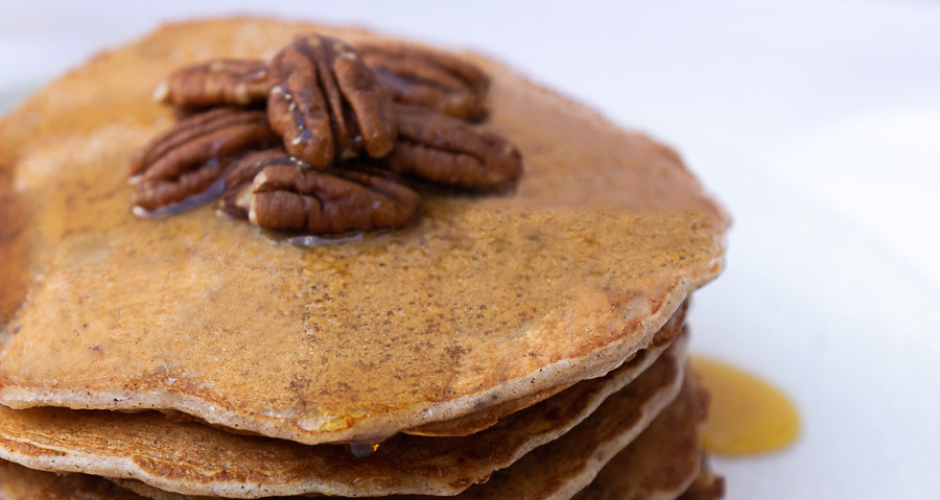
[(664, 461), (482, 419), (558, 470), (194, 459), (20, 483), (667, 453), (488, 299)]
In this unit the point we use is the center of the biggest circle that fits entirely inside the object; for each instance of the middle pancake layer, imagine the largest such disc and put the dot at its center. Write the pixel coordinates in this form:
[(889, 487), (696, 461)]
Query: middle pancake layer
[(193, 459)]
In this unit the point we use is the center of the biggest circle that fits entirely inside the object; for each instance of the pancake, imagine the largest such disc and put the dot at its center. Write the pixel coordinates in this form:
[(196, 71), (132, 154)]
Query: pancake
[(561, 468), (665, 448), (664, 461), (185, 457), (488, 299), (20, 483), (707, 486), (487, 417)]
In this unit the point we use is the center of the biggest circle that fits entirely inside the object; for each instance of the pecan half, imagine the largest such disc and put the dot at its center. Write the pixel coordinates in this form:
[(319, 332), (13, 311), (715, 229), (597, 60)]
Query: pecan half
[(447, 150), (327, 104), (216, 83), (239, 178), (330, 201), (430, 79), (192, 155)]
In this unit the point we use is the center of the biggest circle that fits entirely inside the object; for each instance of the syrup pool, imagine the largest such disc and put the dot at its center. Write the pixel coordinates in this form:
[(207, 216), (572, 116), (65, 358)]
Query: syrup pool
[(748, 415)]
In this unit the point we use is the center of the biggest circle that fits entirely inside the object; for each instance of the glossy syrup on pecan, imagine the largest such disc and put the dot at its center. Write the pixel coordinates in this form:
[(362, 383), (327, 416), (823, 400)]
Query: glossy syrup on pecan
[(327, 104), (216, 83), (239, 178), (427, 78), (443, 149), (333, 201), (190, 157), (298, 165)]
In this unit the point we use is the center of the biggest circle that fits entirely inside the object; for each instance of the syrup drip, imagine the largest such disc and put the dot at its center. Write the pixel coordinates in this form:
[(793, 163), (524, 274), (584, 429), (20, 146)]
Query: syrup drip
[(363, 450), (196, 200), (748, 415)]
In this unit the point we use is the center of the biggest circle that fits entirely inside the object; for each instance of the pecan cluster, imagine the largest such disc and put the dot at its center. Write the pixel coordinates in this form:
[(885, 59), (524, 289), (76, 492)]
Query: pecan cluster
[(318, 138)]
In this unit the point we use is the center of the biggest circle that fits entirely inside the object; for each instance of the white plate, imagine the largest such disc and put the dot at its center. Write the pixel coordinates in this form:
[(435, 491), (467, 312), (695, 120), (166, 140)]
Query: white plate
[(847, 328)]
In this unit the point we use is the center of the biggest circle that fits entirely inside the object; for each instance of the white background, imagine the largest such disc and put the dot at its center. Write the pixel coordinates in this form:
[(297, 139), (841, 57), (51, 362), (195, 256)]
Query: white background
[(816, 122)]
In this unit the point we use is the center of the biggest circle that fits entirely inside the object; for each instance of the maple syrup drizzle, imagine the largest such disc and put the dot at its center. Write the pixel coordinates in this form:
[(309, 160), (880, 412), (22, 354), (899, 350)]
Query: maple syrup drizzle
[(748, 415)]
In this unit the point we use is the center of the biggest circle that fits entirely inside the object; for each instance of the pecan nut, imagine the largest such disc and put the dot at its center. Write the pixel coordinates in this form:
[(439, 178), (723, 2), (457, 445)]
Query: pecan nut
[(239, 178), (431, 79), (443, 149), (216, 83), (327, 104), (330, 201), (192, 155)]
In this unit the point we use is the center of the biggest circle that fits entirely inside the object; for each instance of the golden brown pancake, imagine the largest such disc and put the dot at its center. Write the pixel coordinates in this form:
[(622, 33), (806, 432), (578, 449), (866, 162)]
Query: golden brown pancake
[(668, 451), (664, 461), (14, 249), (477, 421), (20, 483), (488, 299), (185, 457), (561, 468)]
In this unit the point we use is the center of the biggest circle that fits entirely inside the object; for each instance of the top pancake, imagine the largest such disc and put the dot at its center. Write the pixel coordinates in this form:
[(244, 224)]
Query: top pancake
[(487, 299)]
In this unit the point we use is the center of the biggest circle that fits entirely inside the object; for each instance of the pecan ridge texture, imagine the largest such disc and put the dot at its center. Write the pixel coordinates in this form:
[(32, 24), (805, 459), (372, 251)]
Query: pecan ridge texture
[(188, 158), (327, 104), (443, 149), (312, 140), (330, 201), (242, 174), (428, 78), (214, 83)]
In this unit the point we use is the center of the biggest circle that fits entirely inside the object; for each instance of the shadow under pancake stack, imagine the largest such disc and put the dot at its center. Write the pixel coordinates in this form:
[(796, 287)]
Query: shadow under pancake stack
[(344, 265)]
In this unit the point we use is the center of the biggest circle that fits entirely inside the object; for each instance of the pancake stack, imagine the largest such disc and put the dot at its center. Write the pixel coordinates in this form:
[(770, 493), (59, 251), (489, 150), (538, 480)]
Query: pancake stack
[(525, 345)]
